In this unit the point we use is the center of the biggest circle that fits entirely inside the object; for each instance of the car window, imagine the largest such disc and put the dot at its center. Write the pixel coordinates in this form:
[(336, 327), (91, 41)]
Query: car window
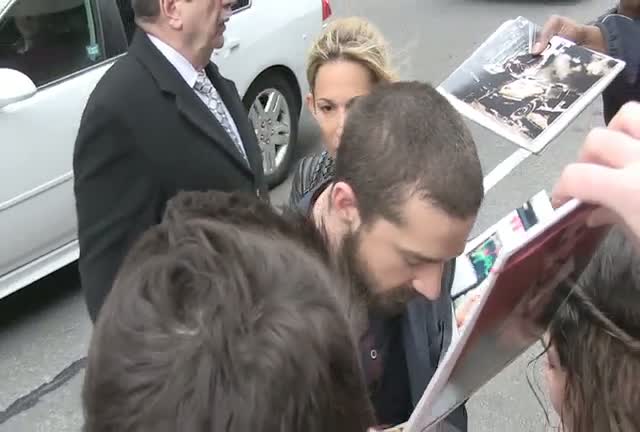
[(49, 39), (240, 4)]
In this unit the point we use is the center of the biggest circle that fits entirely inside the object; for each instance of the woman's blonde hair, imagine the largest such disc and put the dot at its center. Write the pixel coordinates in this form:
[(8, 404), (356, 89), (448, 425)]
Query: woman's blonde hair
[(353, 39)]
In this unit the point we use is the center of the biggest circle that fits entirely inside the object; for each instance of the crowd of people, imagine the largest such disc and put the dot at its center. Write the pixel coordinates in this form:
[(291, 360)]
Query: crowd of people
[(216, 311)]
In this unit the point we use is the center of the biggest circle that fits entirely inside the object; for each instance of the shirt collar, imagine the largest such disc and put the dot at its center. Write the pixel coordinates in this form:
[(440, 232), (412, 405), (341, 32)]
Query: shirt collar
[(182, 65)]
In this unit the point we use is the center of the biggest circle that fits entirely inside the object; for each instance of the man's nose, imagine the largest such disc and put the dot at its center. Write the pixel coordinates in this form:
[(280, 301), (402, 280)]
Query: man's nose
[(427, 281), (342, 116), (227, 11)]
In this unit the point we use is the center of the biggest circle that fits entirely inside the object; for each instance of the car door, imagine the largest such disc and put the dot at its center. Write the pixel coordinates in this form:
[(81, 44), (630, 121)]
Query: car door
[(263, 34), (264, 53), (59, 45)]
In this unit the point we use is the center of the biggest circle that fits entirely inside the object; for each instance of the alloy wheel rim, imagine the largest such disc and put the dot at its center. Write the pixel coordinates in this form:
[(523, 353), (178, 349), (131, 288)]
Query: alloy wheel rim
[(271, 119)]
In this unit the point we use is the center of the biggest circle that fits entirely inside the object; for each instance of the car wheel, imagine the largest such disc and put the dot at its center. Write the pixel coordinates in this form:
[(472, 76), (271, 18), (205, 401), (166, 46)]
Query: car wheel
[(525, 110), (274, 113)]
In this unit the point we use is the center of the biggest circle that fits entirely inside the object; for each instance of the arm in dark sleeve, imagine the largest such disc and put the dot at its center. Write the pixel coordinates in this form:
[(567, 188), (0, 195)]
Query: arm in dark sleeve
[(457, 421), (428, 336), (298, 183), (114, 199), (622, 38)]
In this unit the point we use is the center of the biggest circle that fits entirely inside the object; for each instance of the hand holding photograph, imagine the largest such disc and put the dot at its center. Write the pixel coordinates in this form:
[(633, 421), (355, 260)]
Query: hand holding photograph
[(528, 99)]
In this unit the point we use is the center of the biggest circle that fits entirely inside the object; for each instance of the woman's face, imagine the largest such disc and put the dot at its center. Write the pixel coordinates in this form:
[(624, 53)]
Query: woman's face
[(555, 377), (337, 85)]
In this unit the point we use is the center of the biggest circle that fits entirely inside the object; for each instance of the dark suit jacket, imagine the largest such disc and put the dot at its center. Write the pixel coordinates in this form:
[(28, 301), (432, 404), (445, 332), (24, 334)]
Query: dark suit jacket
[(144, 136)]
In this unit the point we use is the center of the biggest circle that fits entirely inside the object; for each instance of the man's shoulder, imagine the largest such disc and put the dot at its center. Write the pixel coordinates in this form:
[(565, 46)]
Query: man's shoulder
[(126, 78)]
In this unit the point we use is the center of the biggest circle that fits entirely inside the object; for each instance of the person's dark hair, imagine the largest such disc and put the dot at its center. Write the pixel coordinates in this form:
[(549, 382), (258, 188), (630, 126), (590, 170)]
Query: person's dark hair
[(146, 9), (215, 326), (405, 138), (596, 335), (246, 210)]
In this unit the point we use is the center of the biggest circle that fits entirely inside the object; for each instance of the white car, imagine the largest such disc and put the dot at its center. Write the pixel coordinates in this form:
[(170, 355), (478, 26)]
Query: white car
[(53, 52)]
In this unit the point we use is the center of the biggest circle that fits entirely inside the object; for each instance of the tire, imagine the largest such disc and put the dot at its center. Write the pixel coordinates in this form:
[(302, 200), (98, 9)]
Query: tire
[(525, 110), (276, 126)]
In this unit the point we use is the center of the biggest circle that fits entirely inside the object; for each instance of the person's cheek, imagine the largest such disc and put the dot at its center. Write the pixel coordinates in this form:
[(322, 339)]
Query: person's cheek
[(555, 387), (382, 267)]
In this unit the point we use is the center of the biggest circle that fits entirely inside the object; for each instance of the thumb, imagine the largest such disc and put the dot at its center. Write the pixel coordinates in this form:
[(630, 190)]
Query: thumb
[(550, 28)]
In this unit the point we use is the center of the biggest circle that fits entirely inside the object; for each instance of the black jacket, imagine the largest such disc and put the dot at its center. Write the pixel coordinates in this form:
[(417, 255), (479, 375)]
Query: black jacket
[(310, 172), (144, 136), (426, 326), (622, 36)]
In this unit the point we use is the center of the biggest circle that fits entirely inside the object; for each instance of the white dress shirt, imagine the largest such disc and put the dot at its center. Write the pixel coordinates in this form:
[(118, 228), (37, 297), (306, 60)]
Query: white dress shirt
[(188, 73)]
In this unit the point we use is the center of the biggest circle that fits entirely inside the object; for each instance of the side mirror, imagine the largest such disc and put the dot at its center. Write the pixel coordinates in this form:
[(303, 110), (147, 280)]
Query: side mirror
[(14, 87)]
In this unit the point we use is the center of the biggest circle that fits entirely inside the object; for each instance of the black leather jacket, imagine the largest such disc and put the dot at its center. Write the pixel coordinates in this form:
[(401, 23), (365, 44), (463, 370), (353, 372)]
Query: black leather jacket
[(427, 325), (311, 171)]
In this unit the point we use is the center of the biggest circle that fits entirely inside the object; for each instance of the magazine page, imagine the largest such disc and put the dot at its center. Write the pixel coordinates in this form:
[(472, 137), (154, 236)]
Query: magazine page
[(528, 99), (481, 252), (525, 287)]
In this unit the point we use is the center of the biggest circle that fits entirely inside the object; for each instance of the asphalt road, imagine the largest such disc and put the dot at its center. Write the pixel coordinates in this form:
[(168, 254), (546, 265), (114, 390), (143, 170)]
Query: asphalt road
[(44, 329)]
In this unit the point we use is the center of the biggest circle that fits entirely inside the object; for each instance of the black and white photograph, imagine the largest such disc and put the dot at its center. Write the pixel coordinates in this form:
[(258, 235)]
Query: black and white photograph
[(521, 93)]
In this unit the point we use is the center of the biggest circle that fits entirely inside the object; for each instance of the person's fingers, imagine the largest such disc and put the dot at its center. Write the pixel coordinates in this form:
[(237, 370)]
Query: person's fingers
[(465, 309), (555, 25), (595, 184), (627, 120), (603, 216), (549, 29), (609, 147)]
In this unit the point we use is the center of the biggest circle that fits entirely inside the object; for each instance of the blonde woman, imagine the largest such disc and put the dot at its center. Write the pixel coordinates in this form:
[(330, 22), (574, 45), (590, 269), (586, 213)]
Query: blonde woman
[(347, 60)]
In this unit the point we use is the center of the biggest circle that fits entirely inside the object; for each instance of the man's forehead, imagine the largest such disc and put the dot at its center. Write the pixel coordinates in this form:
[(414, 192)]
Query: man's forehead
[(432, 232)]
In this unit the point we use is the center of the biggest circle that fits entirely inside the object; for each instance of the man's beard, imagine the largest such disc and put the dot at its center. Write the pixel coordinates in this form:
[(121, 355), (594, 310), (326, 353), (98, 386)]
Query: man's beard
[(365, 289)]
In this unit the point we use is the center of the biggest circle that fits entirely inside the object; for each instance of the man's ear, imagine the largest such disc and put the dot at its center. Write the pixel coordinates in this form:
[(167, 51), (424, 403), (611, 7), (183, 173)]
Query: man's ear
[(344, 205), (171, 9)]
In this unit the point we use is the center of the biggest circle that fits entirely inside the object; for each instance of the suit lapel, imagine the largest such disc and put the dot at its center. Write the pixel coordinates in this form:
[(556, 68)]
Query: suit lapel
[(187, 102), (194, 110), (232, 101)]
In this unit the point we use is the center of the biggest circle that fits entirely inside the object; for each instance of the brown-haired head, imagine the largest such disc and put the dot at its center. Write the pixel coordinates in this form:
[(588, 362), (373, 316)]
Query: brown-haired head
[(596, 338), (146, 10), (406, 191), (215, 325), (406, 139)]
